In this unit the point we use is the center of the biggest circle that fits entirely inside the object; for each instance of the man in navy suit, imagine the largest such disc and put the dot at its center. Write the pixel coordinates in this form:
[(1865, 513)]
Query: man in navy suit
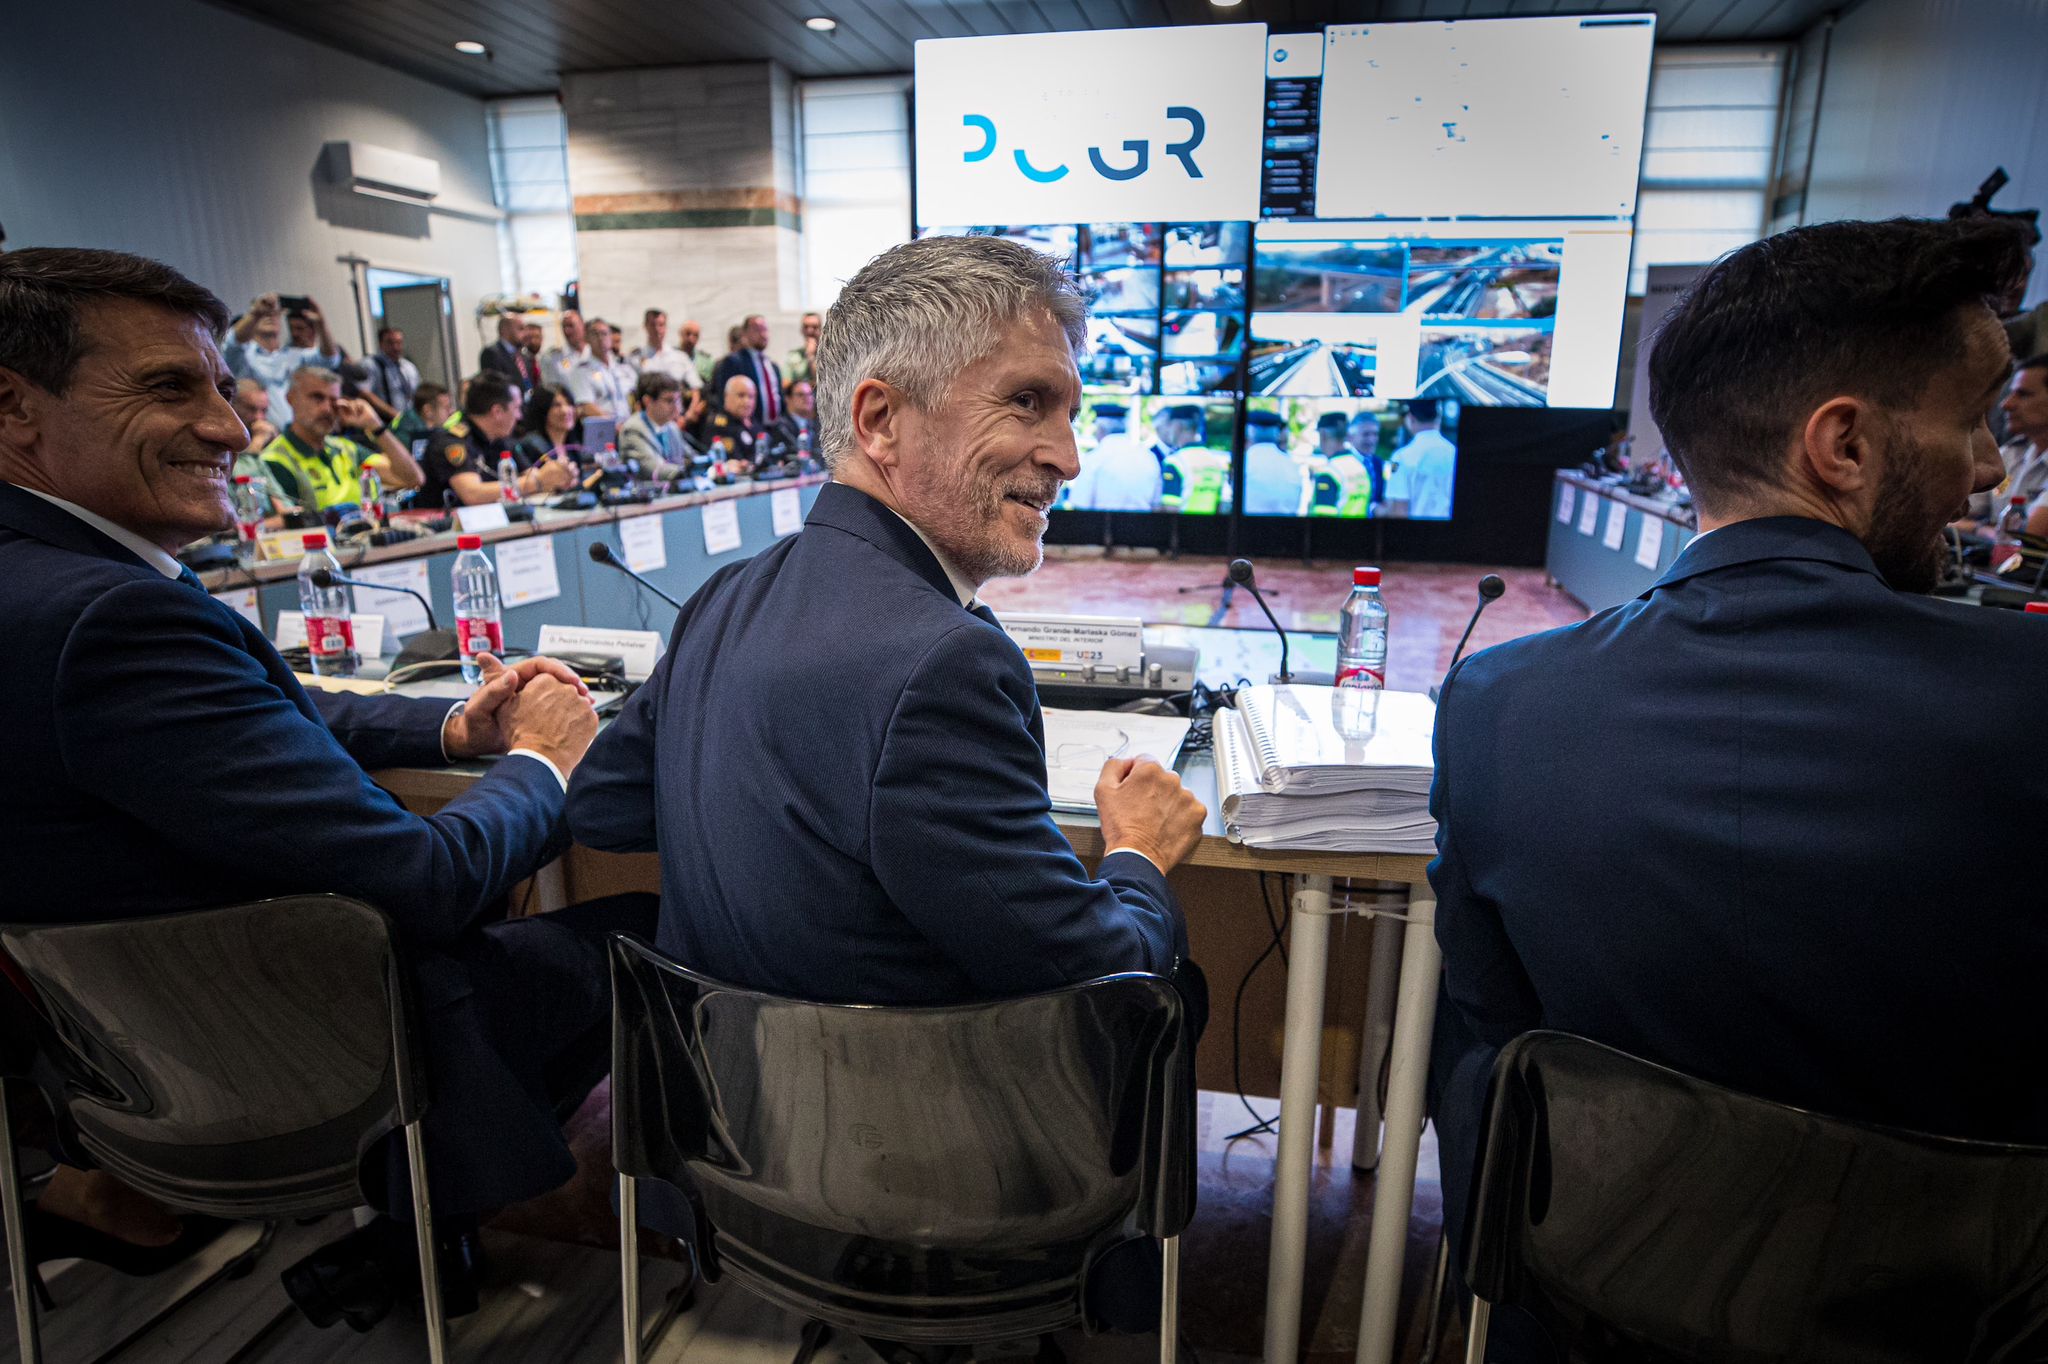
[(841, 758), (162, 757), (1773, 822)]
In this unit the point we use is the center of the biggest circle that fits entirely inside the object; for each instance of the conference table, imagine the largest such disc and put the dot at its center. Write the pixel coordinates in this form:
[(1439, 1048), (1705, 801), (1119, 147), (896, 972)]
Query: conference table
[(691, 535)]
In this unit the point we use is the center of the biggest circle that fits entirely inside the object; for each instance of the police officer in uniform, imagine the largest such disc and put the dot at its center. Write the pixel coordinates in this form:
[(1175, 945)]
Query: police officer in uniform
[(313, 466), (734, 423), (461, 459), (1274, 482), (1352, 473)]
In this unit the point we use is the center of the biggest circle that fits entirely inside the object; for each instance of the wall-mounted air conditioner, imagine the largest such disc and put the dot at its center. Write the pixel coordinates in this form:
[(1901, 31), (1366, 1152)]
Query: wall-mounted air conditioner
[(383, 173)]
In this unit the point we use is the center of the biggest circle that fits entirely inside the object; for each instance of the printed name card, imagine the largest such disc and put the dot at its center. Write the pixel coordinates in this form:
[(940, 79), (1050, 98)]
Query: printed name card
[(645, 543), (402, 614), (721, 527), (641, 649), (526, 571), (787, 506), (1650, 541), (369, 632), (1589, 513), (1617, 523), (482, 517)]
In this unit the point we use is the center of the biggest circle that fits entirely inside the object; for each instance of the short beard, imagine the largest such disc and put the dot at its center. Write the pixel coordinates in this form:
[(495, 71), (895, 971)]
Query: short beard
[(1906, 551)]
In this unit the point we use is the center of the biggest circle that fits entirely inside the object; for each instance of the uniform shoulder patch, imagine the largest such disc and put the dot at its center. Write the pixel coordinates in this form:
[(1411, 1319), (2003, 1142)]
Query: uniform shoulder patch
[(456, 452), (458, 427)]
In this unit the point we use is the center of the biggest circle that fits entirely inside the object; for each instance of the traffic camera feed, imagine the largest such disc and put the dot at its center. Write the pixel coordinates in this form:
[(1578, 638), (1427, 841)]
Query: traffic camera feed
[(1153, 455)]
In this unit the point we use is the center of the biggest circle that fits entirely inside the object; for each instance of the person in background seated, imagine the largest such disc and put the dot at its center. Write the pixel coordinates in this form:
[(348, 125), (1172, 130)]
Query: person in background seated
[(2026, 455), (252, 407), (1427, 464), (796, 435), (659, 357), (432, 406), (461, 459), (508, 355), (736, 423), (312, 465), (257, 350), (149, 724), (651, 439), (803, 360), (547, 427), (1794, 884), (1116, 475), (905, 854)]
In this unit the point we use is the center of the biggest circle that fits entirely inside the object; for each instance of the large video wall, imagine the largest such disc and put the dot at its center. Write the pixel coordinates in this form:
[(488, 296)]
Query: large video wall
[(1434, 215)]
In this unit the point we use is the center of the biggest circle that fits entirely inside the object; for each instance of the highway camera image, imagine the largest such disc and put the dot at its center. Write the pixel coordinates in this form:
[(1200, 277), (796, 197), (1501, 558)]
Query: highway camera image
[(1491, 280), (1501, 366), (1295, 361), (1329, 277)]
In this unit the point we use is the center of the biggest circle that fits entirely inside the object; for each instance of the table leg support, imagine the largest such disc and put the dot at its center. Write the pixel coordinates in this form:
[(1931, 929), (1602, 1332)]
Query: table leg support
[(1394, 1195), (1300, 1063), (1381, 984)]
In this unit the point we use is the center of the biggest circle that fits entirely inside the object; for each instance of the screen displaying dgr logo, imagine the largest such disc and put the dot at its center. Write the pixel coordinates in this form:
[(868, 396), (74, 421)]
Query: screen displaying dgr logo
[(1138, 149)]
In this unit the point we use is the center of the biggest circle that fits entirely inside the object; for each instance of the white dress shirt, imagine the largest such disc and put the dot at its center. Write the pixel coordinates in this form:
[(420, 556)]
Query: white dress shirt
[(670, 361)]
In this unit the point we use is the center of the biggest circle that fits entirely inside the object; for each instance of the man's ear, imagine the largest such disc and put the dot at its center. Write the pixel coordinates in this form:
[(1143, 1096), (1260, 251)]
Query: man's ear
[(1841, 444), (879, 413), (21, 406)]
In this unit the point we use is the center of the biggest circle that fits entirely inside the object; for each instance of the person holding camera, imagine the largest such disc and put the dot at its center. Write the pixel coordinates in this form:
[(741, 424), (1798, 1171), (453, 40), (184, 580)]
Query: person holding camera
[(257, 348)]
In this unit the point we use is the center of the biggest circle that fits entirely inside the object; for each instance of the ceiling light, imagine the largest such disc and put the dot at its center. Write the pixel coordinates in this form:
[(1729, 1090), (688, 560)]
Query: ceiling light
[(1226, 4), (821, 24), (471, 47)]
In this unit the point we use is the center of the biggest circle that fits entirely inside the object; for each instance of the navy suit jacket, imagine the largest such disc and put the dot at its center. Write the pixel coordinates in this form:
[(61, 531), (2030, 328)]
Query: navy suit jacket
[(844, 773), (1773, 824), (741, 362), (160, 757)]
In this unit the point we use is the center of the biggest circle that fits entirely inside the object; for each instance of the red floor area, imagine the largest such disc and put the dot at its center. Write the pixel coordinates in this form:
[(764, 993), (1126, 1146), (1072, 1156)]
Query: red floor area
[(1428, 604)]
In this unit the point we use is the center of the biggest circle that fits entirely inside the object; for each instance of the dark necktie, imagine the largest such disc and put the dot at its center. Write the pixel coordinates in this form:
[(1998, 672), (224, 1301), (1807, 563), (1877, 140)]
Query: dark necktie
[(189, 578), (769, 396)]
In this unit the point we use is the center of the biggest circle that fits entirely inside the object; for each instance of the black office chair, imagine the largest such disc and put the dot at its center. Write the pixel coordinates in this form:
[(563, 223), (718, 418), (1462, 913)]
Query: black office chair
[(236, 1062), (1643, 1215), (928, 1176)]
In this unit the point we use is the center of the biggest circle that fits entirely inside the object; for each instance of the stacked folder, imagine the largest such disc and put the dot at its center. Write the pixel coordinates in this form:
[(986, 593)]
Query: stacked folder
[(1313, 767)]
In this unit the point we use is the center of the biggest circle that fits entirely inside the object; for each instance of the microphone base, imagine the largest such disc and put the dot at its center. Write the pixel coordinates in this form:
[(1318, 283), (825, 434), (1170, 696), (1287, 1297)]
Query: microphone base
[(428, 646), (1307, 678)]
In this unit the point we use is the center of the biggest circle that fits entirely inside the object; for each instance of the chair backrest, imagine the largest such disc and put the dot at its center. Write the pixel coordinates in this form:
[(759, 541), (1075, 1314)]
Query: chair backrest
[(234, 1061), (1641, 1214), (920, 1174)]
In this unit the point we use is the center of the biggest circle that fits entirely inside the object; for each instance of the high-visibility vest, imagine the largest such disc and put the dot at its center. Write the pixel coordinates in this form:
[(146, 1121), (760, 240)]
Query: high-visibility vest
[(332, 482)]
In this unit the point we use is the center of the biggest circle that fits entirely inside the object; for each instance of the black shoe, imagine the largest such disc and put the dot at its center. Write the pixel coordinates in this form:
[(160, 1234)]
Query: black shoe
[(361, 1277), (51, 1237)]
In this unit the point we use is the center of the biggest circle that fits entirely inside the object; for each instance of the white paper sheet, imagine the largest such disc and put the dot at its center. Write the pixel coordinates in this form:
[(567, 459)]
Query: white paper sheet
[(1617, 525), (402, 614), (1650, 541), (1564, 502), (1589, 513), (1079, 742), (645, 543), (482, 517), (369, 632), (787, 506), (526, 571), (721, 527)]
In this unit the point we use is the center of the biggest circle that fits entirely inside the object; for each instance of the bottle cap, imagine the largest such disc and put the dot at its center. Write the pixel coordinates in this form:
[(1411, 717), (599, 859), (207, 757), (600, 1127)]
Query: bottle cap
[(1365, 577), (469, 542), (241, 478), (2037, 608), (316, 540), (2020, 501)]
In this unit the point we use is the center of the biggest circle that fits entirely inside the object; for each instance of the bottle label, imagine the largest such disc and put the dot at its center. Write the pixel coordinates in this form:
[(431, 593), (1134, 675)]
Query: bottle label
[(330, 636), (247, 530), (480, 634), (1362, 676)]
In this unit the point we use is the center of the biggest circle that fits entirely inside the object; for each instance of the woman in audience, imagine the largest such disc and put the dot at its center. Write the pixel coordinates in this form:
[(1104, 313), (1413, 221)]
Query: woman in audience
[(546, 425)]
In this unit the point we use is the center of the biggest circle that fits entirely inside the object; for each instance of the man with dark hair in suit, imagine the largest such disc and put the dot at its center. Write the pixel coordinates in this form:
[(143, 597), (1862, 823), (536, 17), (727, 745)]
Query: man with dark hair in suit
[(509, 357), (751, 361), (1740, 826), (904, 853), (163, 758)]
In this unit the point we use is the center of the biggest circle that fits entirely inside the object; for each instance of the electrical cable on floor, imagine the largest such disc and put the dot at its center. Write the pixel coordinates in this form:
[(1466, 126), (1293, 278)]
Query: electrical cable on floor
[(1277, 923)]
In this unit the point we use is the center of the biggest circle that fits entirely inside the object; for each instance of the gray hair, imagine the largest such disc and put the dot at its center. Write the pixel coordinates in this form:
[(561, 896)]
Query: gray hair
[(321, 375), (919, 313)]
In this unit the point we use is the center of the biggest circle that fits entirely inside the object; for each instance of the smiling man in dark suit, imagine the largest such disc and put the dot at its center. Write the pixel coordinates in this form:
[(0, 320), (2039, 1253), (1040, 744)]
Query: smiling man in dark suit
[(1772, 823), (163, 758), (894, 844)]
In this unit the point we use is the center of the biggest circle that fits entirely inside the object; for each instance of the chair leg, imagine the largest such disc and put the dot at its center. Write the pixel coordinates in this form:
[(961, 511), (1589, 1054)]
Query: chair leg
[(1475, 1335), (629, 1264), (423, 1228), (18, 1267), (1434, 1336), (1169, 1301)]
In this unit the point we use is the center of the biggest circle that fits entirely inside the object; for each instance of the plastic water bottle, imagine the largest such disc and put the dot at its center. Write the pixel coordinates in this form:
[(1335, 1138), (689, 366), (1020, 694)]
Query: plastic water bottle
[(718, 459), (372, 495), (508, 477), (249, 513), (330, 630), (479, 628), (1362, 634), (2005, 545)]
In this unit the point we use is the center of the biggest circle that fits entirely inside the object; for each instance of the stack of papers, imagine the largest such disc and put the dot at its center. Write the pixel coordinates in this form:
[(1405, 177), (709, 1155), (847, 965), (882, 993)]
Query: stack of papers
[(1313, 767), (1079, 742)]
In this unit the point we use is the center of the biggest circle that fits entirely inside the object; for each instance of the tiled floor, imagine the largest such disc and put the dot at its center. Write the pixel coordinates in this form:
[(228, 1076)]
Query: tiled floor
[(1428, 604)]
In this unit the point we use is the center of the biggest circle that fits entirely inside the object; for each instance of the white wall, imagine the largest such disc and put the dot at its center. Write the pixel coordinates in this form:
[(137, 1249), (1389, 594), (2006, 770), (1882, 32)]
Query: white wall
[(1923, 98), (856, 175), (179, 131)]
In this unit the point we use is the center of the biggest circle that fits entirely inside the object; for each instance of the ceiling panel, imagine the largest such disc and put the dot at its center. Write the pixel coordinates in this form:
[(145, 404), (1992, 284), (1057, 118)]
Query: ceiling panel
[(533, 42)]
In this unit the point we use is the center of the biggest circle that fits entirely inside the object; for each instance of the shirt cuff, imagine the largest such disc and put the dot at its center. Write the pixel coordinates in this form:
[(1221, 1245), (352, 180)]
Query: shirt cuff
[(452, 710), (548, 763), (1135, 853)]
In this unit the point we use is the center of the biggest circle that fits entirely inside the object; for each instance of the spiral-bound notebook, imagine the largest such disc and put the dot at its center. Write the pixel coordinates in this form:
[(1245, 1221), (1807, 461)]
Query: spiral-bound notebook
[(1307, 767)]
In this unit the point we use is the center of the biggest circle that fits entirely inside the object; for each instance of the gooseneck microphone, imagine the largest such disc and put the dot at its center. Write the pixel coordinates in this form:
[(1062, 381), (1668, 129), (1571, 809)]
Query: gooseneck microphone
[(324, 578), (1241, 572), (1490, 589), (601, 553)]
